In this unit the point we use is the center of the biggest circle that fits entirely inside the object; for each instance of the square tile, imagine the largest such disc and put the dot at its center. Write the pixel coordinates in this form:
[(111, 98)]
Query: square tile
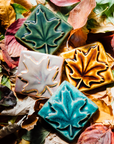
[(87, 67), (43, 31), (38, 74), (68, 110)]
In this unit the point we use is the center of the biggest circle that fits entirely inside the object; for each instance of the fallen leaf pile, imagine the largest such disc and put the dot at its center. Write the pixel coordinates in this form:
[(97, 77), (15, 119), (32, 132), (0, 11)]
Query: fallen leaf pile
[(92, 20)]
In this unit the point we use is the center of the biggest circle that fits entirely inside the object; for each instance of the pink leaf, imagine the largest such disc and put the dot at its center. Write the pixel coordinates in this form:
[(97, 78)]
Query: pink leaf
[(79, 15), (64, 2)]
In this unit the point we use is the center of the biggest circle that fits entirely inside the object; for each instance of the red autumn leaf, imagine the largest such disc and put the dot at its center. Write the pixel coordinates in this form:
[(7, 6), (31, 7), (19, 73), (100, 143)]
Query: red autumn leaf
[(14, 48), (64, 2), (79, 15), (96, 134), (10, 62), (10, 46)]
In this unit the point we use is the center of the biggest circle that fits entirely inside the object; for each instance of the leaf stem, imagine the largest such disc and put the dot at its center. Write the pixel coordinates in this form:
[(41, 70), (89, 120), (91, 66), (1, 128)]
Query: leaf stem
[(49, 91), (79, 84), (46, 48)]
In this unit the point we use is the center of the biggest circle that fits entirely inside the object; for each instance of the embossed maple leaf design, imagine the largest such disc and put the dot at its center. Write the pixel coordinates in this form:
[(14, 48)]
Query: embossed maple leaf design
[(38, 75), (67, 113), (86, 67), (43, 32)]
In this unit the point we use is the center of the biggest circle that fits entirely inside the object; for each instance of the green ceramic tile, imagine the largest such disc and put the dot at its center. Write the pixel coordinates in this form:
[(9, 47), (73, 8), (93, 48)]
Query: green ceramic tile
[(68, 110), (43, 31)]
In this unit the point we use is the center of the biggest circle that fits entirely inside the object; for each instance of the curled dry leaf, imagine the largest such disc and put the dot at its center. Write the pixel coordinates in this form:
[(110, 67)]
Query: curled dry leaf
[(7, 97), (30, 122), (11, 128), (96, 134), (7, 13), (39, 104), (23, 107), (79, 15), (6, 130), (63, 3), (78, 37)]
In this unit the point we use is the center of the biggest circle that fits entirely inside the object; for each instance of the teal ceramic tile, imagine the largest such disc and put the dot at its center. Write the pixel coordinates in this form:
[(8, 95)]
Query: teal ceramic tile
[(68, 110), (43, 31)]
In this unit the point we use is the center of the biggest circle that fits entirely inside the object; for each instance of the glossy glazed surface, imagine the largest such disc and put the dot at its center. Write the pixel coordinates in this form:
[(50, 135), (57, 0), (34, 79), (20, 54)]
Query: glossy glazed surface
[(68, 110), (38, 74), (43, 31), (87, 67)]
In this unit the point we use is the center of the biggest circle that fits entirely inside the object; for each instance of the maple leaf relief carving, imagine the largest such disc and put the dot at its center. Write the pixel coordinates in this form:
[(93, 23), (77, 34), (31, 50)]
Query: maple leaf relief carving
[(86, 68), (42, 32), (38, 75), (68, 113)]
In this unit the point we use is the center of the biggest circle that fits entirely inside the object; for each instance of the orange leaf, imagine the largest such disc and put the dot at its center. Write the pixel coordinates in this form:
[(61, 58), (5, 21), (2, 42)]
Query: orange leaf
[(105, 113), (78, 37)]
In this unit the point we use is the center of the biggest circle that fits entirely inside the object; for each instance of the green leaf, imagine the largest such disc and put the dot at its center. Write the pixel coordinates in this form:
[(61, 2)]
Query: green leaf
[(63, 16), (36, 135), (102, 17), (1, 36), (64, 11), (105, 9), (6, 81), (19, 10), (46, 34)]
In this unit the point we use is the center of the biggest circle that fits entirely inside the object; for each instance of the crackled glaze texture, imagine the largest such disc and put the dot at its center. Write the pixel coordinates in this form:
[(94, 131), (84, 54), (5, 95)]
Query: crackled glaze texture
[(87, 67), (68, 110), (38, 74), (43, 31)]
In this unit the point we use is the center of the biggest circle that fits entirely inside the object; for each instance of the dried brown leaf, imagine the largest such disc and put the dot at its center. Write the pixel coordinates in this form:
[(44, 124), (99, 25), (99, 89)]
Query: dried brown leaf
[(7, 13), (6, 130), (30, 122), (25, 106)]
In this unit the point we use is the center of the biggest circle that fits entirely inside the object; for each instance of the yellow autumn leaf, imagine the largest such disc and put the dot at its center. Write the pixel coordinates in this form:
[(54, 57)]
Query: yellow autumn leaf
[(7, 13)]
